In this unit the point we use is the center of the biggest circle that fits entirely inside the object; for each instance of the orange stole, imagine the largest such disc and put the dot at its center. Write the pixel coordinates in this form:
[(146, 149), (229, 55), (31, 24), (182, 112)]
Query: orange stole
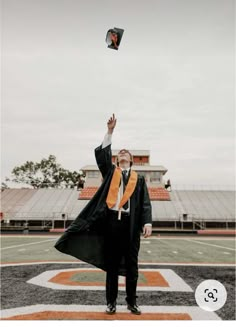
[(114, 188)]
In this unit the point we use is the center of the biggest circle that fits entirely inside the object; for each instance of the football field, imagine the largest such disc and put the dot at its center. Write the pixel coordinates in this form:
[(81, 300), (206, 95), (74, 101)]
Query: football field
[(40, 283)]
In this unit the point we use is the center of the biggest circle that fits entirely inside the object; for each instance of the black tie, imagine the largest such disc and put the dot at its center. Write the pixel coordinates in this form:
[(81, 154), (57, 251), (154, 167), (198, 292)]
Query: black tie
[(125, 181)]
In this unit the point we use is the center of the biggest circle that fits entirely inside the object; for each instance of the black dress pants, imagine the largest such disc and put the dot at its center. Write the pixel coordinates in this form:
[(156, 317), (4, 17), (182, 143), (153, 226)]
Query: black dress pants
[(117, 245)]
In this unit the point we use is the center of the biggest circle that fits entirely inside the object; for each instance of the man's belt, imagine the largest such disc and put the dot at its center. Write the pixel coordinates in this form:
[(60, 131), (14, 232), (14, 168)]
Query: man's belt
[(116, 213)]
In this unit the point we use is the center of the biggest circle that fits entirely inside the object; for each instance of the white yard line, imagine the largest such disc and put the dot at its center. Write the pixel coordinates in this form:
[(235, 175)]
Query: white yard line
[(179, 237), (40, 263), (11, 264), (214, 245), (16, 246)]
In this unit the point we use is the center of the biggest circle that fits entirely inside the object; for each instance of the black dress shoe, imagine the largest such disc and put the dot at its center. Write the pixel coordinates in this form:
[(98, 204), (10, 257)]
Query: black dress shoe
[(111, 308), (134, 309)]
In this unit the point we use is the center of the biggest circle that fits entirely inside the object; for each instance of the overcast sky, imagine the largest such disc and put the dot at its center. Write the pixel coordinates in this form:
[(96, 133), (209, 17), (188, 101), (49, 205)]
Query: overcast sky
[(171, 83)]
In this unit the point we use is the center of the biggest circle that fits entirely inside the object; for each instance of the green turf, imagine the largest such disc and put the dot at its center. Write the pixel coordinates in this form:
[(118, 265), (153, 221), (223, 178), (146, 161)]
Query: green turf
[(89, 277), (98, 276), (156, 250), (42, 250), (7, 241), (187, 251)]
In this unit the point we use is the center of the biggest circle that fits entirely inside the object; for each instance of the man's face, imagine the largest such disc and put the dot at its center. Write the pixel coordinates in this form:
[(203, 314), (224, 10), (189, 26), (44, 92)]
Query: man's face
[(124, 158)]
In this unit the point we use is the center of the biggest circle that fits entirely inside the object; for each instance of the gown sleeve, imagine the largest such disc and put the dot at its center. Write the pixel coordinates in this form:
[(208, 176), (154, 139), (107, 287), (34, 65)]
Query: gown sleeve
[(104, 159)]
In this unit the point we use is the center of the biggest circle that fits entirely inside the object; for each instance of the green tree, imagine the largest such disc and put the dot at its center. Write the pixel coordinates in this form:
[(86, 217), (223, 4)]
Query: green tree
[(4, 186), (46, 174)]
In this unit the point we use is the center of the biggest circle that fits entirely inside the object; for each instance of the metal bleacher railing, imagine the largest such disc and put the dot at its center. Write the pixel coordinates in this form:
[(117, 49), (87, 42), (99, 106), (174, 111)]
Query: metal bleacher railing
[(189, 204), (203, 187)]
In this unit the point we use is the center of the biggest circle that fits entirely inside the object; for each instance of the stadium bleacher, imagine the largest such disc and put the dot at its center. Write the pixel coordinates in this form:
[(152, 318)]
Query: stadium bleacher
[(57, 208), (155, 193)]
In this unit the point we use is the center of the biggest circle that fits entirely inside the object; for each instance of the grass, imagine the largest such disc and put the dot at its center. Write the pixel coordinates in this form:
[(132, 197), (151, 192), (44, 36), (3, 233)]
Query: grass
[(168, 250), (28, 248)]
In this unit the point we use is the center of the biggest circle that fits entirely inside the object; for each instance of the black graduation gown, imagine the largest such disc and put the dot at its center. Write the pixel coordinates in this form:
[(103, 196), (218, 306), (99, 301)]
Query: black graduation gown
[(84, 238)]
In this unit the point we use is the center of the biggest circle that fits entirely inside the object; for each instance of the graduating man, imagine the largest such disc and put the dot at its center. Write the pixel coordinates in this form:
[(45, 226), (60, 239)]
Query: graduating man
[(107, 231)]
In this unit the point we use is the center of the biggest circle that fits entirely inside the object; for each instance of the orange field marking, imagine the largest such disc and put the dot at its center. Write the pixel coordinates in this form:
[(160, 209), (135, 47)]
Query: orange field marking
[(63, 315), (154, 278), (64, 278)]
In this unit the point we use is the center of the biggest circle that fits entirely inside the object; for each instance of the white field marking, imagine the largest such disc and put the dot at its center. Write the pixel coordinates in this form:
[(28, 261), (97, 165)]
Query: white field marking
[(158, 238), (217, 246), (46, 250), (28, 236), (175, 282), (12, 264), (145, 242), (16, 246), (152, 238), (175, 252), (149, 251), (195, 312), (200, 252), (226, 252), (193, 264)]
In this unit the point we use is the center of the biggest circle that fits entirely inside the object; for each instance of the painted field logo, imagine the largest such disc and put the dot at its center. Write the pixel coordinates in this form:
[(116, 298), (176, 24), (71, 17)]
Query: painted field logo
[(94, 279)]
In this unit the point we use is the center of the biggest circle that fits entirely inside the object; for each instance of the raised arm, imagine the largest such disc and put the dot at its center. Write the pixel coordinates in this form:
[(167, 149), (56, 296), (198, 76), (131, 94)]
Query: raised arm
[(103, 153)]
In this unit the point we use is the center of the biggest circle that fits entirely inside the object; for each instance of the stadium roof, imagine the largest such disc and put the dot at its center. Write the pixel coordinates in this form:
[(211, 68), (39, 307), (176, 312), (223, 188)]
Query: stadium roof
[(134, 152), (135, 167)]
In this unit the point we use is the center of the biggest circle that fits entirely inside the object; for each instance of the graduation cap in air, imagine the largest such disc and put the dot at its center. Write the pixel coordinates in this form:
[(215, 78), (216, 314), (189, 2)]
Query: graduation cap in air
[(113, 37)]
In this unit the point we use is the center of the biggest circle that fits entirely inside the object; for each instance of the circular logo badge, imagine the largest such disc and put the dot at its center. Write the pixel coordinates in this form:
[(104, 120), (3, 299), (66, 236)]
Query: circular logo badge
[(210, 295)]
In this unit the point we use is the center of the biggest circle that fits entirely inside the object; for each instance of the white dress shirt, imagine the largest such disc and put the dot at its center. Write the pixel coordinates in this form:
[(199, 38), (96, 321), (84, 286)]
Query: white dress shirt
[(107, 141)]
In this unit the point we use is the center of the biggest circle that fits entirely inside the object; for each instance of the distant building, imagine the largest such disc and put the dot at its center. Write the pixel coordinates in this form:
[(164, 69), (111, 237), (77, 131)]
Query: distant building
[(141, 164), (172, 210)]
